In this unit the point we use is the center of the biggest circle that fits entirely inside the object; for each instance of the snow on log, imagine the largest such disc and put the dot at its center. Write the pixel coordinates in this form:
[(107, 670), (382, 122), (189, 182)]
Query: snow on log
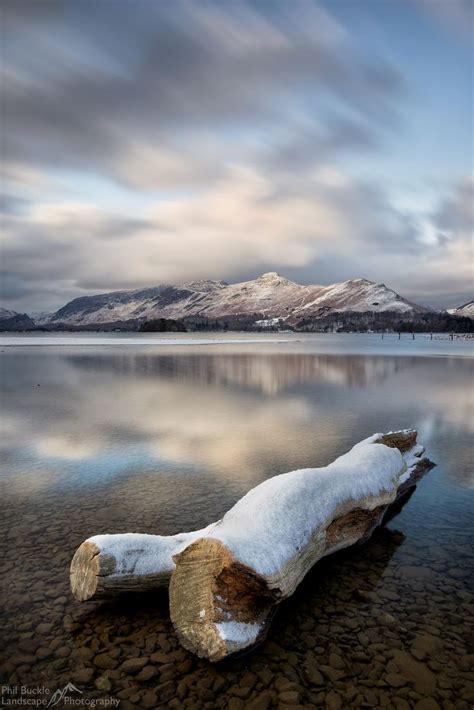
[(226, 584), (129, 562)]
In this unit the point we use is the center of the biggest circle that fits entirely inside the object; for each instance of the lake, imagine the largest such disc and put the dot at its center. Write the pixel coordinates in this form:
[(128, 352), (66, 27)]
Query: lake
[(163, 432)]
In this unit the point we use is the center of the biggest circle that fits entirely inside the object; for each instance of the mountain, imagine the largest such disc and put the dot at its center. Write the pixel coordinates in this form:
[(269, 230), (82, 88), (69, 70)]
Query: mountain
[(106, 307), (466, 310), (270, 296), (5, 313), (11, 320)]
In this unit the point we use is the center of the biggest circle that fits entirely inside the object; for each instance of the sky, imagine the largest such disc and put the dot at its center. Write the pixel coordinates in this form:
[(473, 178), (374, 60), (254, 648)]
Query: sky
[(146, 142)]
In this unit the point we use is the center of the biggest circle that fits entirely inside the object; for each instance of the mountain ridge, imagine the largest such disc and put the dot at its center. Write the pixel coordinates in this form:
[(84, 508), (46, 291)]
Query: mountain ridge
[(268, 301)]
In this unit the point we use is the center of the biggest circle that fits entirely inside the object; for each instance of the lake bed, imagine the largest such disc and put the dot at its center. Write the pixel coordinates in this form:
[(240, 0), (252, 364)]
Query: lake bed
[(144, 433)]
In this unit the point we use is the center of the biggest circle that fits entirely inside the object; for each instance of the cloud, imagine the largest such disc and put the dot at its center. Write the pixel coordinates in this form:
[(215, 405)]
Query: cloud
[(331, 224), (456, 213), (454, 15), (114, 85), (161, 142)]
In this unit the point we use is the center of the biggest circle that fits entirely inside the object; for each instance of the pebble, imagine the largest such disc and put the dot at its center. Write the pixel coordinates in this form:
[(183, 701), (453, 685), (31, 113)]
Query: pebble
[(331, 673), (103, 683), (147, 673), (105, 661), (132, 665), (427, 704), (312, 670), (395, 680), (149, 700), (166, 690), (83, 676), (418, 674), (333, 701), (336, 662), (44, 628), (289, 697)]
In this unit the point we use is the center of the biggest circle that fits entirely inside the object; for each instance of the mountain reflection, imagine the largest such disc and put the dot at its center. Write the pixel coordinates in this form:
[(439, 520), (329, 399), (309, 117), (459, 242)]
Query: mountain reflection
[(76, 418), (270, 374)]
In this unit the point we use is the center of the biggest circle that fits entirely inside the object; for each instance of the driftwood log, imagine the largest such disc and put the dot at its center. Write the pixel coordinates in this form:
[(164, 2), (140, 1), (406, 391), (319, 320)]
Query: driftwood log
[(227, 579), (105, 565)]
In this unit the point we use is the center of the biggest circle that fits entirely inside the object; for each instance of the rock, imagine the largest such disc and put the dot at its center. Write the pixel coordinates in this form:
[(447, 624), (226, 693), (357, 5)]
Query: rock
[(85, 654), (103, 683), (265, 675), (44, 628), (425, 574), (419, 675), (401, 704), (261, 702), (149, 700), (336, 662), (220, 684), (427, 704), (160, 657), (331, 673), (165, 691), (83, 676), (235, 704), (248, 680), (271, 648), (333, 701), (132, 665), (426, 643), (185, 667), (395, 680), (388, 594), (164, 643), (289, 697), (360, 657), (28, 645), (351, 624), (105, 661), (147, 673), (312, 670), (62, 652), (240, 692)]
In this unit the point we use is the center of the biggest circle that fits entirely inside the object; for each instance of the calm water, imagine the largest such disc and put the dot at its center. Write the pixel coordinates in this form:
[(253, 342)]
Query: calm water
[(151, 434)]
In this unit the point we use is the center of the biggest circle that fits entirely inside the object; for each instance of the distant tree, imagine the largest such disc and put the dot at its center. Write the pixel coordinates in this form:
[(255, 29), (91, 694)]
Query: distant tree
[(163, 325)]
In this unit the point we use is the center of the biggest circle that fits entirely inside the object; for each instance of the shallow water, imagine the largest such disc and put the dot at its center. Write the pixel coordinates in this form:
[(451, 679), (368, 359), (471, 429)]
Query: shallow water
[(153, 436)]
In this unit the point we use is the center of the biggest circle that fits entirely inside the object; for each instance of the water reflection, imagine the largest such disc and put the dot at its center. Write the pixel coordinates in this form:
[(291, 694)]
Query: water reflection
[(101, 441), (268, 374), (75, 418)]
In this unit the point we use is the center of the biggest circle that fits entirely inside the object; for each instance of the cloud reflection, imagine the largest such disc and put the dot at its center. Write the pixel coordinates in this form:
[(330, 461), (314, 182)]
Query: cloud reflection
[(235, 418)]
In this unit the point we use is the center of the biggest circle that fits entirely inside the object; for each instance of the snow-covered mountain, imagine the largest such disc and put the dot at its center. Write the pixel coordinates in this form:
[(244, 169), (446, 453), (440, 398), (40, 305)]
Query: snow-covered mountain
[(5, 313), (11, 320), (268, 296), (466, 310)]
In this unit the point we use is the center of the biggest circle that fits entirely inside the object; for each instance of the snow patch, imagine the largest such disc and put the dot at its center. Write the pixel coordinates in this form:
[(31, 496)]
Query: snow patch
[(238, 632), (141, 554)]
